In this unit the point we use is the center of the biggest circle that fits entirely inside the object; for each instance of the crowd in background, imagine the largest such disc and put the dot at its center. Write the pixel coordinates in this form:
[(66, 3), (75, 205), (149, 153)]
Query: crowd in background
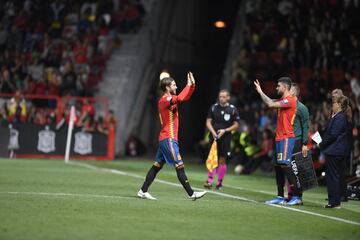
[(314, 42), (58, 48)]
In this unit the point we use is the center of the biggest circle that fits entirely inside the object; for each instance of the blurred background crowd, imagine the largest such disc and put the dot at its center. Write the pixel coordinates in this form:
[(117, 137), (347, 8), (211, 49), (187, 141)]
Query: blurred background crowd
[(314, 42), (52, 51)]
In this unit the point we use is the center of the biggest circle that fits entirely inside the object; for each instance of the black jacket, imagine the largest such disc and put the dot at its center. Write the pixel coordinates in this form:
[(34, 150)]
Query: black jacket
[(335, 140)]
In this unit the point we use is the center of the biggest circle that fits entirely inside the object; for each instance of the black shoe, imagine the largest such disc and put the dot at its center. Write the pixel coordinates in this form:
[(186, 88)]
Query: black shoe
[(332, 206), (218, 187)]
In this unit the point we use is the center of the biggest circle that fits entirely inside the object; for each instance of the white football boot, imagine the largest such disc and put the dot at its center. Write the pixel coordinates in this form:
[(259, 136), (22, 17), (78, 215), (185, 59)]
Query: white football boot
[(145, 195), (197, 195)]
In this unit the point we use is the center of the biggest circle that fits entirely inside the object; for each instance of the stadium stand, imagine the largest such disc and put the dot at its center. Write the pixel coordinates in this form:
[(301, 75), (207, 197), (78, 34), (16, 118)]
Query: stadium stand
[(316, 43)]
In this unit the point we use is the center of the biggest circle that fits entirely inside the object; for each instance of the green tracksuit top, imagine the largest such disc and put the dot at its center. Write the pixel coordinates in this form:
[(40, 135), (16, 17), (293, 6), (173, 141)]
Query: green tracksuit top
[(301, 123)]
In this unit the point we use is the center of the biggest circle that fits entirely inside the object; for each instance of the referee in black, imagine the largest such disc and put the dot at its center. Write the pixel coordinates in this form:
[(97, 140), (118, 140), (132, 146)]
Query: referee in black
[(222, 119)]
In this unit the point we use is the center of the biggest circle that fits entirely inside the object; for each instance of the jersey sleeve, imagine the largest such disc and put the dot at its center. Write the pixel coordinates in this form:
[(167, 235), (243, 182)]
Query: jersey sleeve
[(210, 113), (167, 101), (305, 125), (164, 102), (285, 103), (184, 95), (236, 116)]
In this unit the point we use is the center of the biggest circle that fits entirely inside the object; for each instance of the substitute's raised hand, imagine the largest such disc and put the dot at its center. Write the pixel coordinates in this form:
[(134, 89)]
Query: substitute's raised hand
[(190, 78), (257, 86)]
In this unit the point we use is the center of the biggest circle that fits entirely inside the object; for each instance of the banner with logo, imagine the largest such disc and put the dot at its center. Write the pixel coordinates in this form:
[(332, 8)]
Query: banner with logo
[(31, 140)]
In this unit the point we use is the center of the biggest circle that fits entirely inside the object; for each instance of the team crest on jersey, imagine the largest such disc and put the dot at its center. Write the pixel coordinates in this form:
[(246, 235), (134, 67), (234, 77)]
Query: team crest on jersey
[(83, 143), (46, 142), (284, 101), (227, 117)]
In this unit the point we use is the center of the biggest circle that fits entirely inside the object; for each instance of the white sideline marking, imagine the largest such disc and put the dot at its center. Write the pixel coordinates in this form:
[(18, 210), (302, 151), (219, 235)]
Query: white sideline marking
[(272, 193), (217, 193), (63, 194)]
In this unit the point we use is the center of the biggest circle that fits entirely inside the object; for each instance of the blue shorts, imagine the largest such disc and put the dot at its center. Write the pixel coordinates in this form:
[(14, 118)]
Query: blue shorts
[(283, 151), (168, 152)]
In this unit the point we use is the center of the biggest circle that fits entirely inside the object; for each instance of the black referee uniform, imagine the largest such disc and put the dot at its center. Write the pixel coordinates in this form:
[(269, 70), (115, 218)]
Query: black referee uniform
[(223, 117)]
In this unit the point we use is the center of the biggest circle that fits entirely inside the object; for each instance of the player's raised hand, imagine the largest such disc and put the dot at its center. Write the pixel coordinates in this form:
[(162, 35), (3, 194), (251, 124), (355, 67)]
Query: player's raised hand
[(257, 86), (190, 79)]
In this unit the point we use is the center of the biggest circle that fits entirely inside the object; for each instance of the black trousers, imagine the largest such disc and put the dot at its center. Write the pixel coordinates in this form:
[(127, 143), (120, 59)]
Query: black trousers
[(334, 174)]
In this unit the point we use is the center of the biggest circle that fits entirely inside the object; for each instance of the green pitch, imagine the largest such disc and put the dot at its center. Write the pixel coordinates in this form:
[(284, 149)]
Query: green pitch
[(48, 199)]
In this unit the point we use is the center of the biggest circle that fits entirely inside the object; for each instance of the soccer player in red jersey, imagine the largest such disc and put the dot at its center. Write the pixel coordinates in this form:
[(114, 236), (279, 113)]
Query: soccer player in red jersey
[(284, 140), (168, 151)]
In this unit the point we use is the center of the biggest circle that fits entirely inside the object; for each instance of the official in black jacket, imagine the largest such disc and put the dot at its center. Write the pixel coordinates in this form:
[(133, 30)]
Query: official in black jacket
[(334, 146)]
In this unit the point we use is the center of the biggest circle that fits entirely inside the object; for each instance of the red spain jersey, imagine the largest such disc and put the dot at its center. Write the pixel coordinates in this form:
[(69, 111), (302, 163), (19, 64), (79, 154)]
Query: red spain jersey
[(168, 112), (285, 118)]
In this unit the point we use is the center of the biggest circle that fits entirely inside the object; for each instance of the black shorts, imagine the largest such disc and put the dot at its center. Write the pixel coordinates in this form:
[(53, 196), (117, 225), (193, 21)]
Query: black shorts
[(224, 146)]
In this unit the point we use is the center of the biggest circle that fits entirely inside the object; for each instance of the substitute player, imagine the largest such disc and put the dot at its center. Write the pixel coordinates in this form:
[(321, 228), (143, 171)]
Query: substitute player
[(168, 150), (301, 131), (284, 140), (222, 119)]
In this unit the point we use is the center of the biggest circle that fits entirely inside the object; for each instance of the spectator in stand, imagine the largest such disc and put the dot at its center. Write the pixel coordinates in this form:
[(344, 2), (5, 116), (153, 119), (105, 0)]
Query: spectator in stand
[(57, 13), (264, 155), (87, 114), (87, 109), (69, 79), (19, 67), (81, 54), (17, 108), (14, 39), (3, 114), (29, 85), (86, 124), (33, 40), (89, 7), (132, 17), (81, 80), (6, 83), (110, 120), (36, 69), (54, 83), (101, 126), (68, 54)]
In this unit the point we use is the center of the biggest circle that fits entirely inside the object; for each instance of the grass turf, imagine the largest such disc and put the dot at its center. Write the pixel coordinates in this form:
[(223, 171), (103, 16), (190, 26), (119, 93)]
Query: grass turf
[(47, 199)]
